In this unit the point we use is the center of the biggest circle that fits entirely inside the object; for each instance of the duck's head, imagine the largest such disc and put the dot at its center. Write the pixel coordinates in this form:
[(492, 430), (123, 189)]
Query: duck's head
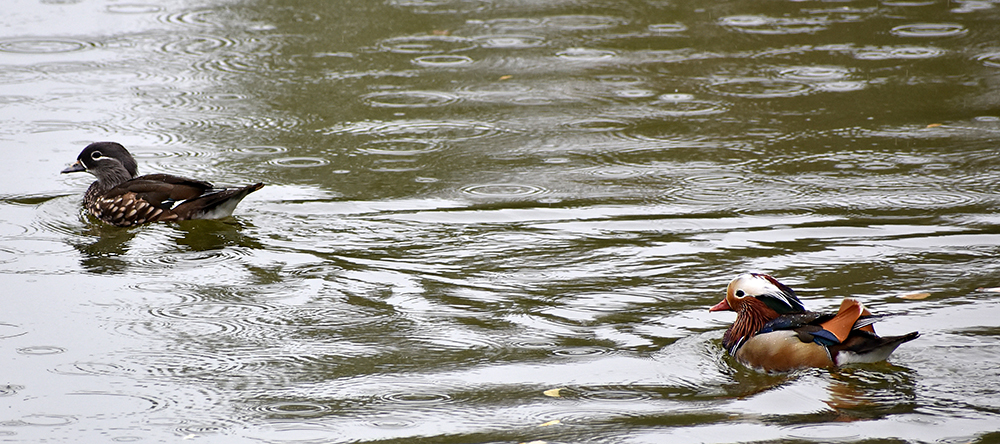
[(101, 158), (775, 295)]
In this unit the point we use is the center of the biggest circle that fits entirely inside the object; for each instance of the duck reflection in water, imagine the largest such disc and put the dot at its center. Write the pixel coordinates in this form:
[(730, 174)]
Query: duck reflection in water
[(105, 249)]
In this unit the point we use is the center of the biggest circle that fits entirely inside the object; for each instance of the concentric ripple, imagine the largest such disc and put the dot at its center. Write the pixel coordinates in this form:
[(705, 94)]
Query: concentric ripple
[(761, 88), (619, 394), (292, 409), (519, 94), (902, 52), (133, 8), (585, 54), (427, 44), (667, 28), (598, 125), (7, 255), (814, 73), (615, 172), (165, 328), (681, 105), (442, 61), (389, 421), (509, 41), (417, 398), (503, 190), (44, 420), (991, 59), (43, 46), (93, 368), (908, 3), (258, 150), (420, 129), (203, 18), (634, 93), (116, 405), (193, 44), (233, 63), (400, 147), (299, 162), (620, 79), (203, 318), (11, 331), (183, 365), (759, 24), (581, 22), (580, 351), (926, 199), (409, 99), (196, 427), (929, 30), (845, 86), (41, 350)]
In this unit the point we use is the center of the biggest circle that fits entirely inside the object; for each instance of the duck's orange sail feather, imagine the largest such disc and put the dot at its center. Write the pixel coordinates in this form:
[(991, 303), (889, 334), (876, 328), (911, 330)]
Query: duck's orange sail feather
[(842, 324)]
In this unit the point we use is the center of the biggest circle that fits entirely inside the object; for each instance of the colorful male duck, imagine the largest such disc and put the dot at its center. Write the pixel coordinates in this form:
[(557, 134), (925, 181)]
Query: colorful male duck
[(774, 332), (121, 197)]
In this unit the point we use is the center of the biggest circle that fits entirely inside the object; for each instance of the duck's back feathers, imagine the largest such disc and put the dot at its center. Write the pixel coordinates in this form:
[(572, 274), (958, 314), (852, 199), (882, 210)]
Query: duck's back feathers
[(825, 328)]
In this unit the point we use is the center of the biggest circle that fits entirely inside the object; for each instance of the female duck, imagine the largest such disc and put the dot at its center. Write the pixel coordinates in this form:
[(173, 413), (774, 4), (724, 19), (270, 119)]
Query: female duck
[(774, 332), (121, 197)]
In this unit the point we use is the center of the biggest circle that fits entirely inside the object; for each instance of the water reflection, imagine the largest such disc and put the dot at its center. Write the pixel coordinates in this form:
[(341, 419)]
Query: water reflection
[(103, 248)]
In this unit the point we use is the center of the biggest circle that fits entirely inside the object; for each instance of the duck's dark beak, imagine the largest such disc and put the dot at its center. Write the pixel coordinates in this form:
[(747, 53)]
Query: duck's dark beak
[(74, 168)]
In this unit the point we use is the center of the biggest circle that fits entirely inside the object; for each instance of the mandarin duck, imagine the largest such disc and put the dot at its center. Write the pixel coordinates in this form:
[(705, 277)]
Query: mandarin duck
[(121, 197), (774, 332)]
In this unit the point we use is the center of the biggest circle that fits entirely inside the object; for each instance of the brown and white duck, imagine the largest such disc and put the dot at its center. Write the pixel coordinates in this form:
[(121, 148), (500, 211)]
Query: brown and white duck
[(121, 197), (774, 332)]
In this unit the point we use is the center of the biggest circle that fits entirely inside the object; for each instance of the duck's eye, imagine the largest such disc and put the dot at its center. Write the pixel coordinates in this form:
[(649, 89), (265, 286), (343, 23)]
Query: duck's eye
[(740, 293), (96, 155)]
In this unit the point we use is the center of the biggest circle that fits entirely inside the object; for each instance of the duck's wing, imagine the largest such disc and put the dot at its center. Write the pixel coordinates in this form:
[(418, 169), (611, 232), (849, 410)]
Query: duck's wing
[(162, 191), (216, 204), (794, 321)]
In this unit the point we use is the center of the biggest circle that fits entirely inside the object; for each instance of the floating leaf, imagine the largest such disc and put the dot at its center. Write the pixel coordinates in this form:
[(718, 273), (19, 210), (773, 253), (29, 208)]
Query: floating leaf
[(989, 289), (550, 423), (934, 125), (554, 393), (915, 296), (506, 77)]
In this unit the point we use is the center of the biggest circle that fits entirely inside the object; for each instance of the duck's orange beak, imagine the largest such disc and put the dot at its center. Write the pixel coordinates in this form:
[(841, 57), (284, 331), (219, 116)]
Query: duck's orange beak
[(721, 306)]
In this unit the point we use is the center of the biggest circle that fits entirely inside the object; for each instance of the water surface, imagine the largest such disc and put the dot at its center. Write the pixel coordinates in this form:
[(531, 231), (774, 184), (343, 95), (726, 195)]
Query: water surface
[(498, 221)]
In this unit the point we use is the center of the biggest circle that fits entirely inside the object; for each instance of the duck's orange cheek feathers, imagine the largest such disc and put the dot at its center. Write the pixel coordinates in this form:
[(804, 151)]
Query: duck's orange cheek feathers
[(782, 351)]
